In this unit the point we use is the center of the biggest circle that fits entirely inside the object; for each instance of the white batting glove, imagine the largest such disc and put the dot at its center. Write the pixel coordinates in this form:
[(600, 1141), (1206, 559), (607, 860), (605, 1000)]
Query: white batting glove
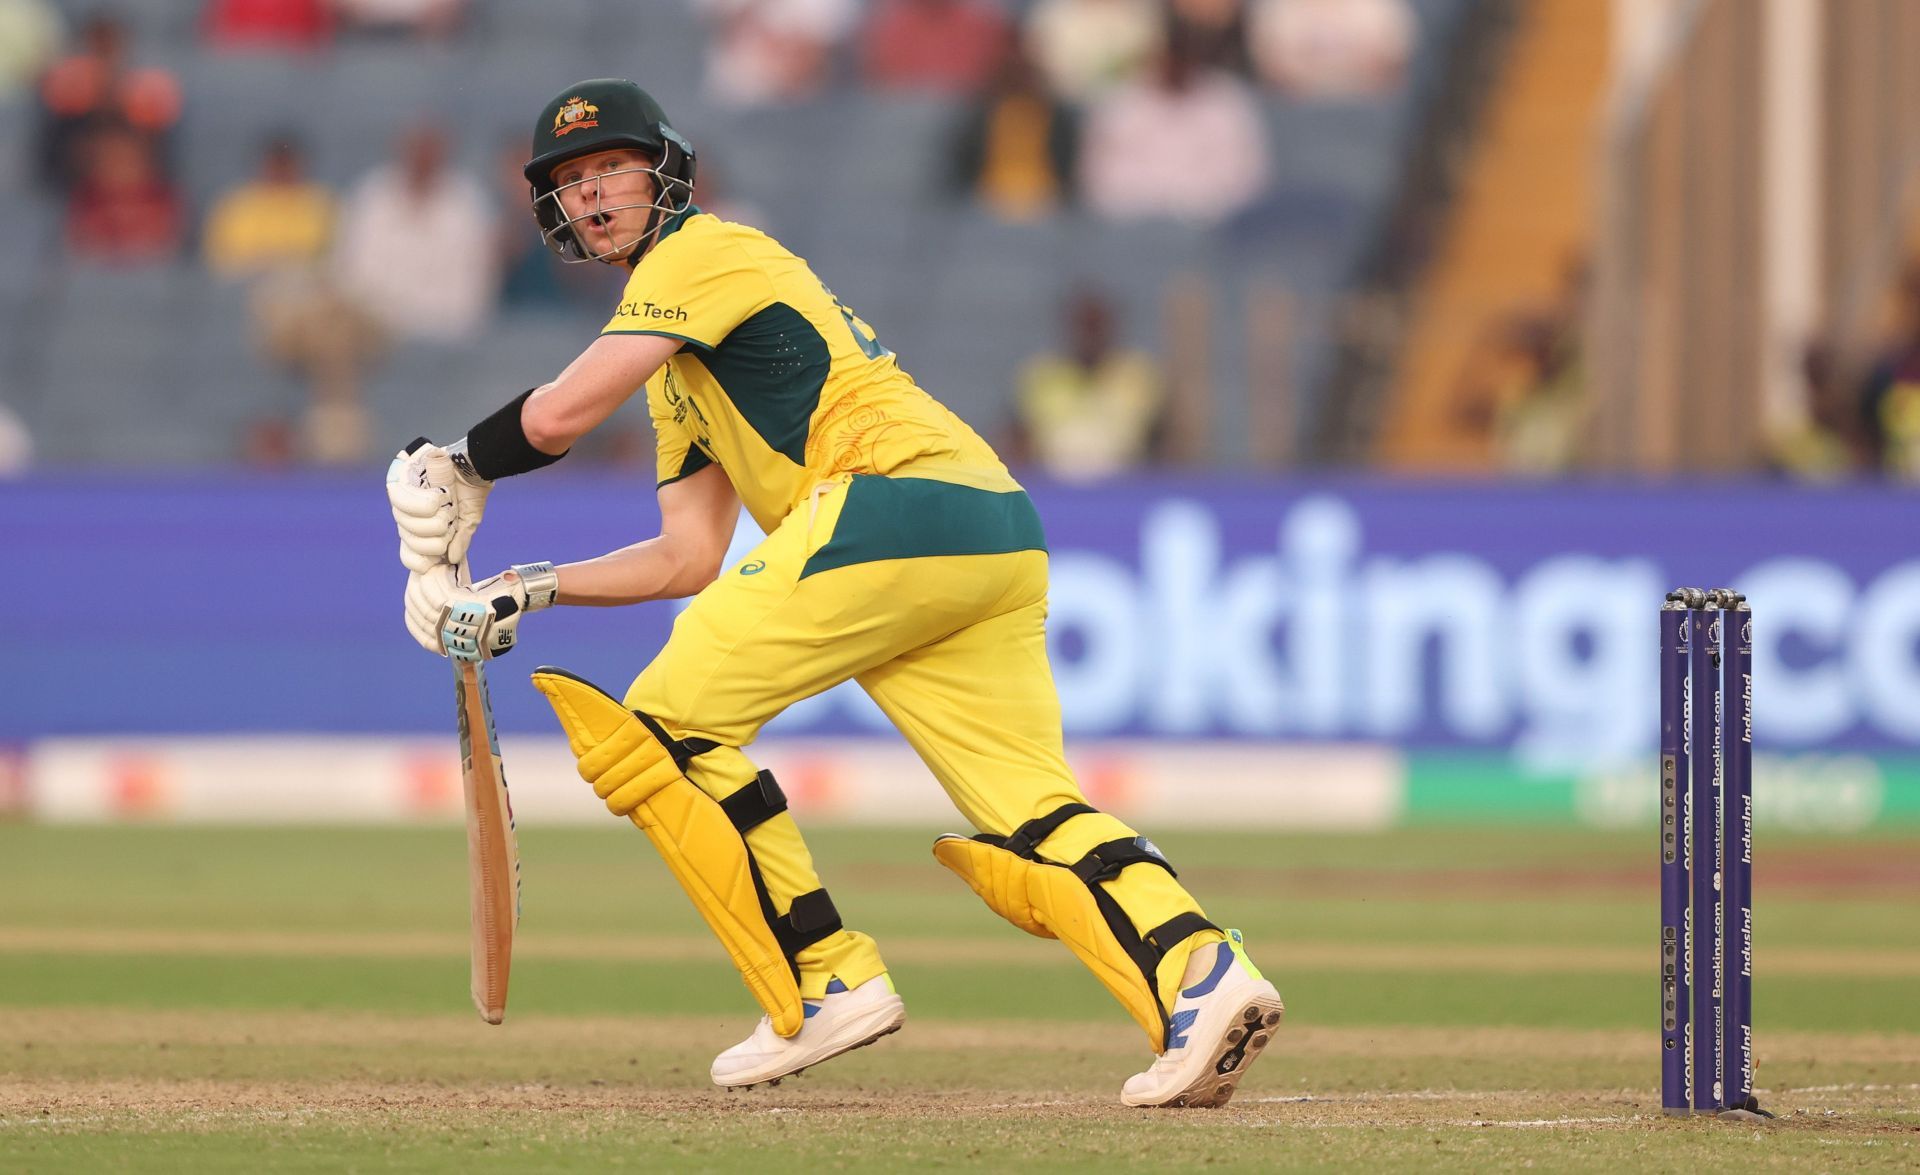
[(478, 622), (437, 505)]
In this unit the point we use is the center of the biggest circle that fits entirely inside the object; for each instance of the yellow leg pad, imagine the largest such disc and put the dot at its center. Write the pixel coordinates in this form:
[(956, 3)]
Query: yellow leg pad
[(637, 776), (1138, 888), (1049, 901)]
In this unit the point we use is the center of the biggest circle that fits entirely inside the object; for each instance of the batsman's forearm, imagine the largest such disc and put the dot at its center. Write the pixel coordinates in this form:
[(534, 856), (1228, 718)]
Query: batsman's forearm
[(658, 569)]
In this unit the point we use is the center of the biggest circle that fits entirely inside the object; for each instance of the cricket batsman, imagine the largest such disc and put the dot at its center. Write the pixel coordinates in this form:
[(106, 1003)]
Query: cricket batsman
[(899, 553)]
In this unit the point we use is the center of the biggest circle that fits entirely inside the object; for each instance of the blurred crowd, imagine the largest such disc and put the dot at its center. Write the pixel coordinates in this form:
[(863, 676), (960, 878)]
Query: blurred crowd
[(1525, 387), (1126, 109), (1865, 420)]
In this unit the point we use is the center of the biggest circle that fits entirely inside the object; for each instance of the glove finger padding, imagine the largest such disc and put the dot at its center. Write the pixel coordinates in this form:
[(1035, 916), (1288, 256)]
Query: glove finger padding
[(430, 517), (424, 513), (427, 594), (461, 542), (416, 561), (467, 494), (636, 774)]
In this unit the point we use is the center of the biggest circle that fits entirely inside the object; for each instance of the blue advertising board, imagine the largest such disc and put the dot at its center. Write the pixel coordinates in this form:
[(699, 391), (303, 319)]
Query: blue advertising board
[(1517, 618)]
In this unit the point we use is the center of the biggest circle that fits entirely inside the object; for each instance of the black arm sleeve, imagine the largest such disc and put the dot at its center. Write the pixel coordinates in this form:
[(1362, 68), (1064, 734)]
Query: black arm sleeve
[(498, 447)]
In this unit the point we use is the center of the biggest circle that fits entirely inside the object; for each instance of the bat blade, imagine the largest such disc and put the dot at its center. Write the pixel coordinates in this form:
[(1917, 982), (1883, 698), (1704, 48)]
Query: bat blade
[(493, 853)]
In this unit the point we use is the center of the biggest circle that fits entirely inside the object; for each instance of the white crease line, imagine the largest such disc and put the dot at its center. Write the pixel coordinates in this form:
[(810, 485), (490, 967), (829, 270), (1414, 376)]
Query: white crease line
[(1028, 1105), (1409, 1095), (1477, 1123), (1528, 1122)]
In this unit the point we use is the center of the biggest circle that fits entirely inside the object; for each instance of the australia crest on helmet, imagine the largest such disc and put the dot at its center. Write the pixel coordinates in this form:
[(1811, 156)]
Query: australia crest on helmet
[(575, 114)]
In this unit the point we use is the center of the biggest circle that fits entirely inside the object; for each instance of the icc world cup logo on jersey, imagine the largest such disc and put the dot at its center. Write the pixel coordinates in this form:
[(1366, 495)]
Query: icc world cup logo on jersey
[(575, 114), (670, 389)]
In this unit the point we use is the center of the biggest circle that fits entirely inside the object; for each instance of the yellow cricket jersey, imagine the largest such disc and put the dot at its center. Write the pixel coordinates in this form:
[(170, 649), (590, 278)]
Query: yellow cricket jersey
[(779, 383)]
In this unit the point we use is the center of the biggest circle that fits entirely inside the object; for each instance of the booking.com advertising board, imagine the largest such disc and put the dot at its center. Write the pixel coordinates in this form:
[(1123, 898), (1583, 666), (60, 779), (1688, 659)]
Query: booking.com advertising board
[(1342, 653)]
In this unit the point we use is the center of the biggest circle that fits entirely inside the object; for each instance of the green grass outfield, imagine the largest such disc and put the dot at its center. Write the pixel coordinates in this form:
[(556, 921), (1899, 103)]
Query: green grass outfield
[(295, 999)]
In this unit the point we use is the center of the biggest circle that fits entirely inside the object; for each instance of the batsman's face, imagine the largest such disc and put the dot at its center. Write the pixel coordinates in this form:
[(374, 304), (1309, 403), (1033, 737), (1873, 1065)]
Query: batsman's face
[(609, 197)]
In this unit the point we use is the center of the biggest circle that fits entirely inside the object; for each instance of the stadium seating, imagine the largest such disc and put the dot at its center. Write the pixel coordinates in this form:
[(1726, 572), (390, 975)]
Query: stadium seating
[(854, 183)]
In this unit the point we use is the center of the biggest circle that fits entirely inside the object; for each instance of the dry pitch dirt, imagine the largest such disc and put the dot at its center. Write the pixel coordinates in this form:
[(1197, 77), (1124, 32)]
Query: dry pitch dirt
[(586, 1074)]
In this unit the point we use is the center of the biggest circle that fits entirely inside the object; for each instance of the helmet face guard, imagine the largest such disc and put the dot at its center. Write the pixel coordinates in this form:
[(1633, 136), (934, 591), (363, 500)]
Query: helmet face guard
[(560, 231)]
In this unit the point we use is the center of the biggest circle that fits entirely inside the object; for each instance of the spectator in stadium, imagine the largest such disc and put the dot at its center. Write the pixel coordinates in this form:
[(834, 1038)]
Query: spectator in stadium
[(1086, 46), (122, 209), (1095, 409), (1892, 393), (278, 219), (1836, 438), (16, 444), (1523, 385), (303, 326), (1015, 150), (30, 34), (1184, 142), (422, 19), (95, 87), (267, 24), (764, 52), (1332, 49), (1543, 414), (1215, 30), (273, 231), (942, 46), (413, 247)]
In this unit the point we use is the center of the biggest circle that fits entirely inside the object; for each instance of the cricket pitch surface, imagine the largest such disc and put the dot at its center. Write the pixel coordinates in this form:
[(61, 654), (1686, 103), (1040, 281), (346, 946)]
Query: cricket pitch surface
[(295, 999)]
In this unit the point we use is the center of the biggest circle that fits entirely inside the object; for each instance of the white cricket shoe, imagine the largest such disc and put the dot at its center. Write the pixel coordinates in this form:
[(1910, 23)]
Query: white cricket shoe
[(844, 1021), (1225, 1014)]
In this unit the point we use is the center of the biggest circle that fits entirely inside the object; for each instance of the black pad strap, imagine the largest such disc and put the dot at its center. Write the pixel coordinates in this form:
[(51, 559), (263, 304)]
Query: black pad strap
[(811, 918), (1029, 836), (1104, 862), (1176, 930), (756, 803), (683, 750)]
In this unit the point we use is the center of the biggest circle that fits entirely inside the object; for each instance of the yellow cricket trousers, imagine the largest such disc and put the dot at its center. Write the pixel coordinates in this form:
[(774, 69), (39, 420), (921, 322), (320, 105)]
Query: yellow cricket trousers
[(933, 596)]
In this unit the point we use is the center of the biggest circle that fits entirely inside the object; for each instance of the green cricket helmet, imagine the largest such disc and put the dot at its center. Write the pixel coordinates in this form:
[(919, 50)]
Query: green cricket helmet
[(604, 114)]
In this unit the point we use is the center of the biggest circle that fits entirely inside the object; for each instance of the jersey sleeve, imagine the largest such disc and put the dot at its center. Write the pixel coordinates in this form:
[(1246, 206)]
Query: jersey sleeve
[(676, 453), (695, 290)]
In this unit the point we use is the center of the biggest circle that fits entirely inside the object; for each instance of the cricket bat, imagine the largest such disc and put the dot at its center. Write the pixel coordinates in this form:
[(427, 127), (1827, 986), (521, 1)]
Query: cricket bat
[(493, 855)]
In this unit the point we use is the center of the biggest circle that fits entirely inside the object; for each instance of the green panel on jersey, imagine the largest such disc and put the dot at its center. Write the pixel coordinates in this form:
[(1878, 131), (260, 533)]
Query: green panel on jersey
[(915, 517), (772, 367), (696, 460)]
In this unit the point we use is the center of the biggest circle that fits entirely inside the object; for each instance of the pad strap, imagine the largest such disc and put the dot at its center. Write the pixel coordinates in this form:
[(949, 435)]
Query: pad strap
[(1105, 861), (1022, 841), (811, 918), (1102, 864), (683, 750), (1176, 930), (756, 803)]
